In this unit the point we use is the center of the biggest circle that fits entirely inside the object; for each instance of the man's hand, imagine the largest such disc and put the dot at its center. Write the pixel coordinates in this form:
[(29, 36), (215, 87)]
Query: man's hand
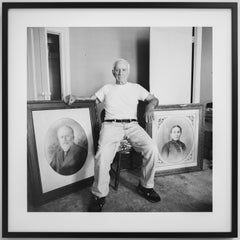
[(69, 99), (152, 103), (149, 116)]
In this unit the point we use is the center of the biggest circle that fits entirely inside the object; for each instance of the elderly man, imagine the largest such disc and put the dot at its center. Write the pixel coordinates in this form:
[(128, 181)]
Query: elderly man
[(120, 103), (71, 157)]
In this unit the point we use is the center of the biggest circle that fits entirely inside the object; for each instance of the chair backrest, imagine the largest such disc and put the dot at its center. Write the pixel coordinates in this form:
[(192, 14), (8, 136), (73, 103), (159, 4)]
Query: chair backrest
[(102, 115)]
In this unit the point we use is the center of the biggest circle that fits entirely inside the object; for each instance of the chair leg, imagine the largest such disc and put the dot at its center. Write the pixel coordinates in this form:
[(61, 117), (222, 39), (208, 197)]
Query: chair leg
[(131, 160), (118, 171)]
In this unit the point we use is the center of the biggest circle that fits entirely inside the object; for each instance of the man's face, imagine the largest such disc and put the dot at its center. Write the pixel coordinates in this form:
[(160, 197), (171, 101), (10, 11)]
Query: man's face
[(65, 138), (121, 72), (176, 133)]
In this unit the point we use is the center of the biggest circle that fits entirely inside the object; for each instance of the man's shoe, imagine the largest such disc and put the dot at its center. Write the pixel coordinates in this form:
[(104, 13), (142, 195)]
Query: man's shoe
[(96, 204), (148, 193)]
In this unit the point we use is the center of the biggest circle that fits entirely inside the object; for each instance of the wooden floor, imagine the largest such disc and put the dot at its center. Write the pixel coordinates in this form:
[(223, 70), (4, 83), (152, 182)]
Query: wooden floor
[(187, 192)]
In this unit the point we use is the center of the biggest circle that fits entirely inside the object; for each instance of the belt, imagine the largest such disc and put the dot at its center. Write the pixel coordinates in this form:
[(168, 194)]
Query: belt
[(121, 120)]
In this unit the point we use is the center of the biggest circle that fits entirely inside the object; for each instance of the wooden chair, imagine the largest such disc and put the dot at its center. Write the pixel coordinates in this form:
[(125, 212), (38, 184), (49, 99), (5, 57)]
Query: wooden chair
[(125, 151)]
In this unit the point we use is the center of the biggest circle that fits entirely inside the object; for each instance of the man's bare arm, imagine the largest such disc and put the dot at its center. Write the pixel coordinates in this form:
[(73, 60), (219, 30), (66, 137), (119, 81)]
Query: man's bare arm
[(70, 99), (152, 103)]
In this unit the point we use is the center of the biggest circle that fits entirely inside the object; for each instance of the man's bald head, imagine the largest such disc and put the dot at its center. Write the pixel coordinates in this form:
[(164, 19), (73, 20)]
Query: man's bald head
[(120, 71), (123, 61)]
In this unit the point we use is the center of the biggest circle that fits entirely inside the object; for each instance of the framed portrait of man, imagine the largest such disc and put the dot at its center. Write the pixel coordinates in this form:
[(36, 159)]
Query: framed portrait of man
[(61, 147)]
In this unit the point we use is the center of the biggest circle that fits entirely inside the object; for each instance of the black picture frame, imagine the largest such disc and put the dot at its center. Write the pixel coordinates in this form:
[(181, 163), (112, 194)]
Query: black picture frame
[(35, 182), (232, 6), (189, 119)]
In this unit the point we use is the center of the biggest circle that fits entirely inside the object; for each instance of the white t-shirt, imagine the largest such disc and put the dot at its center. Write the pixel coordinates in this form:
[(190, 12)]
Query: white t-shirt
[(120, 101)]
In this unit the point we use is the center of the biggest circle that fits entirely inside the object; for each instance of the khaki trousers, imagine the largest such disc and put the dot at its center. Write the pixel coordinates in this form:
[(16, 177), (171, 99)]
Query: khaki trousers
[(110, 136)]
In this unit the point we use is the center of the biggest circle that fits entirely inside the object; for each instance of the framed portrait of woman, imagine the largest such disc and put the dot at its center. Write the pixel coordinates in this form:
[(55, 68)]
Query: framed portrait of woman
[(178, 133)]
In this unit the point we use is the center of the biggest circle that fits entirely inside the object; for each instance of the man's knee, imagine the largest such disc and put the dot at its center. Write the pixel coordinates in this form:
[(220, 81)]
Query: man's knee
[(154, 149), (104, 155), (151, 150)]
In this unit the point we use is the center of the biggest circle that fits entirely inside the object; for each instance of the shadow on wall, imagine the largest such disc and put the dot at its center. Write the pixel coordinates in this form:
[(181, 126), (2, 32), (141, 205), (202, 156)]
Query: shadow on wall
[(142, 74), (143, 62)]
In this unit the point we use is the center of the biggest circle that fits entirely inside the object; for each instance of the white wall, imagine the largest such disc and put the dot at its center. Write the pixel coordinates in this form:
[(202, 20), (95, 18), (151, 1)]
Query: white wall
[(170, 64), (93, 51)]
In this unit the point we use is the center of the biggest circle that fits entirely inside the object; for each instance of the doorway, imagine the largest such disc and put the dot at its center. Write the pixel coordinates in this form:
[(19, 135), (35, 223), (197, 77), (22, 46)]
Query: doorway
[(54, 66)]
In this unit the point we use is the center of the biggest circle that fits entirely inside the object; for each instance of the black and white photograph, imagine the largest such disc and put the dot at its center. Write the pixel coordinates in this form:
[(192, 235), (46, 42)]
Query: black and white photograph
[(178, 133), (67, 156), (117, 68), (120, 120), (61, 149)]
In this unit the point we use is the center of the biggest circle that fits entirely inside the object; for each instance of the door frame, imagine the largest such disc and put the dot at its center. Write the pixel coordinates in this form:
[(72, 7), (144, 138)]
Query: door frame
[(38, 68), (197, 65), (64, 50)]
